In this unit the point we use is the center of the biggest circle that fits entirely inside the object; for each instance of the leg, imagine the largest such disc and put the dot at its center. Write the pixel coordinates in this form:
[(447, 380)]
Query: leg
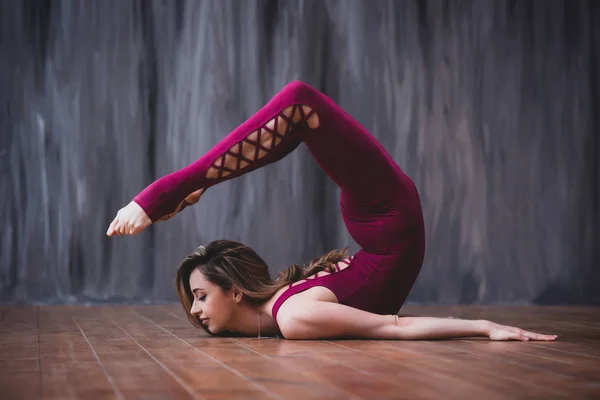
[(371, 182)]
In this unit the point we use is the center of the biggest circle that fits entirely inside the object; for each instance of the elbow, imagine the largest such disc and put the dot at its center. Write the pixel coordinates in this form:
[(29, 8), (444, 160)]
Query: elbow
[(290, 330), (296, 327)]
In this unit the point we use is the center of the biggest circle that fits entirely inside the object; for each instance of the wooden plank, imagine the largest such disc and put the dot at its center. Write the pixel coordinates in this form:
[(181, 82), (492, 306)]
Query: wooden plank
[(136, 371), (436, 367), (343, 367), (263, 375), (20, 372), (70, 369), (207, 376), (312, 364)]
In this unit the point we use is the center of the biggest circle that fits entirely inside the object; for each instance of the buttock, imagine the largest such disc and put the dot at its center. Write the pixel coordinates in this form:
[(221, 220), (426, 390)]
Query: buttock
[(386, 281)]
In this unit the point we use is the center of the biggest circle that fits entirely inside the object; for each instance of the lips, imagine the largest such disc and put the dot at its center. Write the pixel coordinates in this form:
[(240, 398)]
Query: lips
[(203, 321)]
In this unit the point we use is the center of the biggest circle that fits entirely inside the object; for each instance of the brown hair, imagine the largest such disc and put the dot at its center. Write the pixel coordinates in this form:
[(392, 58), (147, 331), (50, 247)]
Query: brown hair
[(229, 264)]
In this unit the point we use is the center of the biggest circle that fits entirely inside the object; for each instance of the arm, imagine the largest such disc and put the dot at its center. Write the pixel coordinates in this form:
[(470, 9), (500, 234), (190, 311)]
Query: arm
[(440, 328), (310, 319)]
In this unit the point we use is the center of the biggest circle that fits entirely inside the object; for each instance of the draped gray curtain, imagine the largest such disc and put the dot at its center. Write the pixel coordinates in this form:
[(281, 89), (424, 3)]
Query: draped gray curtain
[(492, 107)]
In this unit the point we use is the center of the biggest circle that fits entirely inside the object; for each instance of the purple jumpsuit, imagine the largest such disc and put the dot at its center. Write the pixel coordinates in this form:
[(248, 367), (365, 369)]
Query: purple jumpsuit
[(380, 204)]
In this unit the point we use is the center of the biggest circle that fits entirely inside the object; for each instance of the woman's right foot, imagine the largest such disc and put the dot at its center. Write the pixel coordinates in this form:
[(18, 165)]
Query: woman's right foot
[(130, 220)]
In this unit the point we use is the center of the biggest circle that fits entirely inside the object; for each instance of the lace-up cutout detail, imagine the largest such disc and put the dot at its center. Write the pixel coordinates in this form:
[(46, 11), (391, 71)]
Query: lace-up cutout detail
[(345, 263), (258, 144), (188, 201)]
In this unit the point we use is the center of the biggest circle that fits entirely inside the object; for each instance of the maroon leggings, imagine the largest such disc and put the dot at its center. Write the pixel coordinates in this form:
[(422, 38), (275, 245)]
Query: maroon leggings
[(379, 202)]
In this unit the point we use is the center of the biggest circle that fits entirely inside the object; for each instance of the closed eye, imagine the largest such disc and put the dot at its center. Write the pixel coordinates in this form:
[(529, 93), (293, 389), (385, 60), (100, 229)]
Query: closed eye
[(201, 298)]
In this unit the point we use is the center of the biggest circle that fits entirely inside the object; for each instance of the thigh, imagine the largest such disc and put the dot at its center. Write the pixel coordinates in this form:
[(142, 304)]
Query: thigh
[(382, 225)]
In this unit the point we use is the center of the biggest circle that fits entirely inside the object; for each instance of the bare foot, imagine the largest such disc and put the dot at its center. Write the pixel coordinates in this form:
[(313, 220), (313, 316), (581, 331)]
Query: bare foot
[(130, 220)]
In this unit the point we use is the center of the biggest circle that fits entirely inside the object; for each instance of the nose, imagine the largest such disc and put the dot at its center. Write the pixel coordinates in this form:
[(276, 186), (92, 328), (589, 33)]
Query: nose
[(195, 309)]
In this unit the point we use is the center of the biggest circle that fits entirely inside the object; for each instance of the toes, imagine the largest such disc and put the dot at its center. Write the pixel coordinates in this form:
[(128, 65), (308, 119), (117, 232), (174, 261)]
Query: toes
[(111, 227), (119, 229)]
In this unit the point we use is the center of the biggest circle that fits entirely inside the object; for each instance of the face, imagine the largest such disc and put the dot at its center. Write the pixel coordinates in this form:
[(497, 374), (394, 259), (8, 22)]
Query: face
[(211, 302)]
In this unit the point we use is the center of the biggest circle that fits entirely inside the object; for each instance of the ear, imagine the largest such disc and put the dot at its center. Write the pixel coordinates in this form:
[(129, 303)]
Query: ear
[(237, 295)]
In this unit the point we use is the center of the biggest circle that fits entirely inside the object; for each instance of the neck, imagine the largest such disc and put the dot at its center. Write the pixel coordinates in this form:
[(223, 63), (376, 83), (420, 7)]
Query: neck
[(246, 321)]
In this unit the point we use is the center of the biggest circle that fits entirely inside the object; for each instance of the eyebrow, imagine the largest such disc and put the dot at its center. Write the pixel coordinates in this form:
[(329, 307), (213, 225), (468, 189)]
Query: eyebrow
[(196, 289)]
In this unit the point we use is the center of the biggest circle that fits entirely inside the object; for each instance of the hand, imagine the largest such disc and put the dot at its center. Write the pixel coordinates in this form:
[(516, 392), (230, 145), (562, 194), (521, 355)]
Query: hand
[(504, 332), (130, 220)]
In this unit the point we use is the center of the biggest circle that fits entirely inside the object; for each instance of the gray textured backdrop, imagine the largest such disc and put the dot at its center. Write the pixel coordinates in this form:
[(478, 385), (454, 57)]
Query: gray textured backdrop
[(491, 107)]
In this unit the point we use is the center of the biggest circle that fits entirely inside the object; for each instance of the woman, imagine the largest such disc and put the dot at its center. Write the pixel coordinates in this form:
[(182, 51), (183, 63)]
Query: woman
[(225, 287)]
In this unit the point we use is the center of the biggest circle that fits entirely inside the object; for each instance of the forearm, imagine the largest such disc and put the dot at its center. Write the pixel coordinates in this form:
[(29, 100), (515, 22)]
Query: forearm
[(410, 328)]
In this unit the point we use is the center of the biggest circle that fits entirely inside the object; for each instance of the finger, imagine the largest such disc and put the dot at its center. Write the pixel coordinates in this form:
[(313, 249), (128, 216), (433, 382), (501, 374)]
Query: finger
[(114, 230), (520, 335), (533, 335), (540, 336)]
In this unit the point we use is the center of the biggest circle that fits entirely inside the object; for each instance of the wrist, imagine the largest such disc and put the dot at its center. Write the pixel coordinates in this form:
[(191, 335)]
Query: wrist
[(484, 327)]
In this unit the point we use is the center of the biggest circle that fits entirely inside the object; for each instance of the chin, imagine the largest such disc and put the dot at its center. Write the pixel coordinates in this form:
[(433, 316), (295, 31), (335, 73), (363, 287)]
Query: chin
[(214, 329)]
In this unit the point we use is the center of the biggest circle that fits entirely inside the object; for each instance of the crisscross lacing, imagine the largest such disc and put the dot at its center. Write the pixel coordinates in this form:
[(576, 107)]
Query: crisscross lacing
[(258, 143)]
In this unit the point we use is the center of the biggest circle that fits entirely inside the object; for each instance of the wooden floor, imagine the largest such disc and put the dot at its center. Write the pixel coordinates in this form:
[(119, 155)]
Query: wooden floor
[(152, 352)]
